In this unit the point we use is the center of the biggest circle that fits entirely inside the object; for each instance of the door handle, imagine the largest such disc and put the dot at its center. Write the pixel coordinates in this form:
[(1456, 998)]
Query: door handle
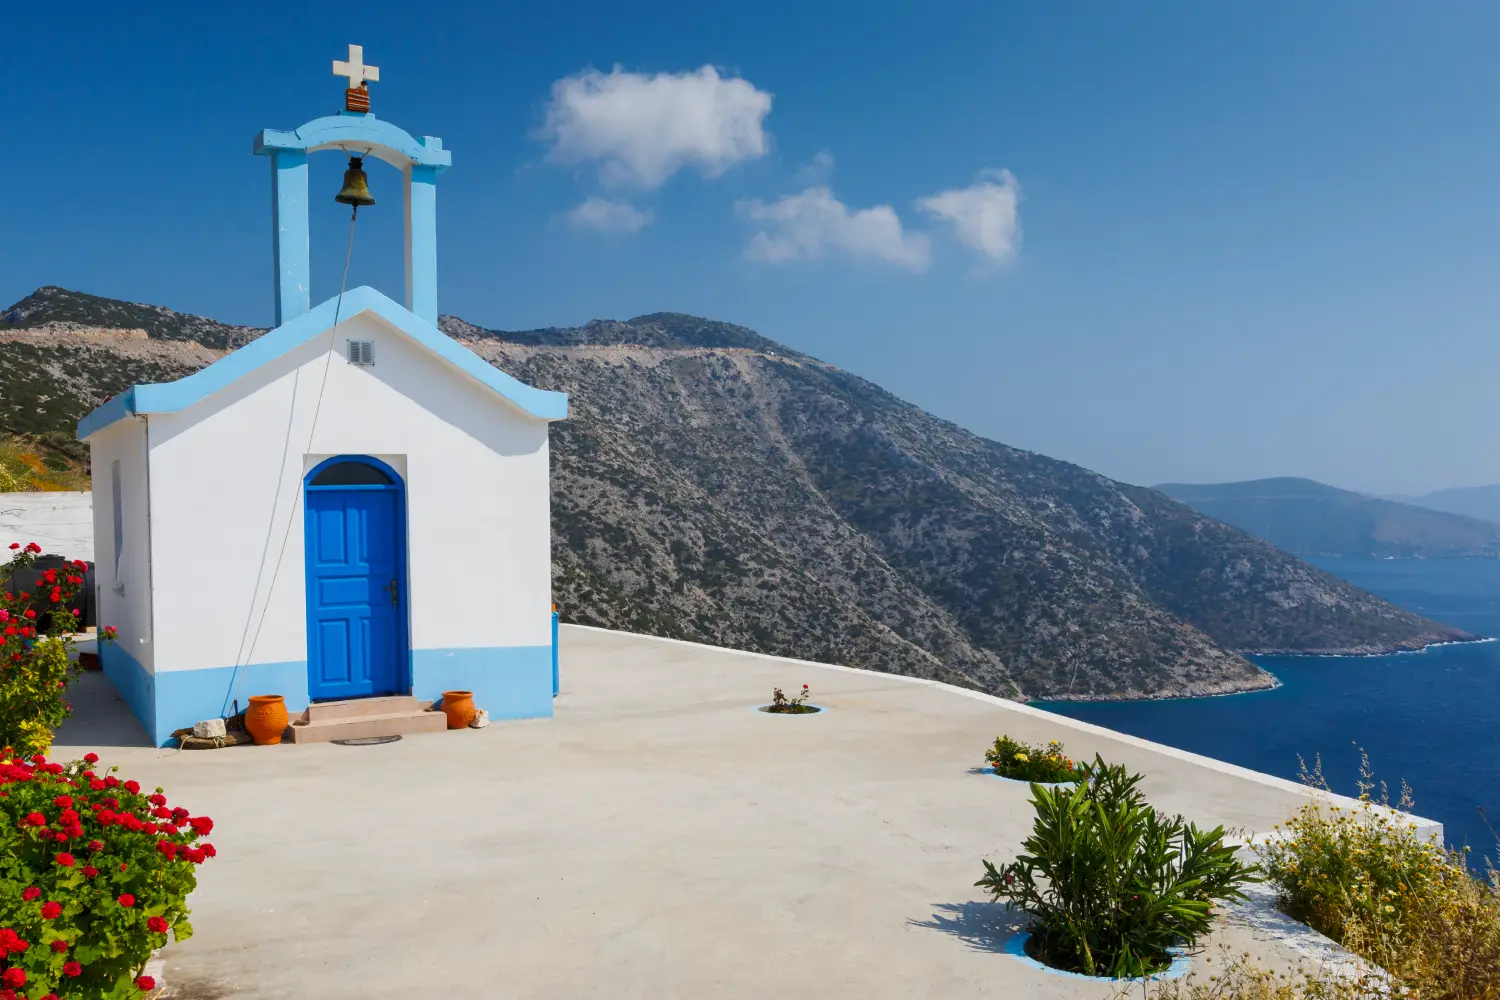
[(392, 590)]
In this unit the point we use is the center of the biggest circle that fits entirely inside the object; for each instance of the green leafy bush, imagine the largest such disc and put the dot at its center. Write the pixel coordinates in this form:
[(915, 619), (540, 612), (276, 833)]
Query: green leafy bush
[(93, 874), (1110, 883), (1013, 759), (1366, 878), (36, 629)]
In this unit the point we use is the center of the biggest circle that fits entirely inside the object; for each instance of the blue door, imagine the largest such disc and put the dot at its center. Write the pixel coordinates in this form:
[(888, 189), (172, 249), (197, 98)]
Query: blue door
[(356, 635)]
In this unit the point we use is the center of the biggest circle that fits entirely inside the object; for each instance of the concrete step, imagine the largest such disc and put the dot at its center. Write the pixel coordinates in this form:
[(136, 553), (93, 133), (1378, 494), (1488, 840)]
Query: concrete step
[(356, 708), (364, 726)]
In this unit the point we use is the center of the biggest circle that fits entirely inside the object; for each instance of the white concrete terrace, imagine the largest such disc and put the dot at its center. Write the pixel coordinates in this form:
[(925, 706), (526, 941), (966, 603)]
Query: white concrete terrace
[(657, 838)]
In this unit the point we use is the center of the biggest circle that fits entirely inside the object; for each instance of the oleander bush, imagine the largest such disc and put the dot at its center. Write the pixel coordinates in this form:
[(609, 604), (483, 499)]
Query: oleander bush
[(1111, 884), (94, 872), (1366, 878), (1013, 759)]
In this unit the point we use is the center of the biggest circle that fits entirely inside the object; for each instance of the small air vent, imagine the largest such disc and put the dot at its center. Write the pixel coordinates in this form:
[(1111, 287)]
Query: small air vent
[(362, 352)]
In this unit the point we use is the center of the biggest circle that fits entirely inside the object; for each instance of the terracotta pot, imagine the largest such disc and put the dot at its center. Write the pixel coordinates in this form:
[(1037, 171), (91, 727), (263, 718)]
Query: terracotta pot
[(458, 706), (265, 719)]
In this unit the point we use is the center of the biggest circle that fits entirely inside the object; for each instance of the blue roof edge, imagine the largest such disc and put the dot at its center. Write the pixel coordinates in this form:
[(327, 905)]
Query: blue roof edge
[(170, 397)]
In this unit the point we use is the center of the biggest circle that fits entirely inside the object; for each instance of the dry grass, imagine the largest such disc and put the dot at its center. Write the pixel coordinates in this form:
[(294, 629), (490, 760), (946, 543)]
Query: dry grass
[(24, 470), (1364, 878), (1235, 978)]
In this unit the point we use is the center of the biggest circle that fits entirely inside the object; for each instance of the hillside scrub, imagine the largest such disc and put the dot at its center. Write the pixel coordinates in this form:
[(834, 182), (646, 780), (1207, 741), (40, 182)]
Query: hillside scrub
[(25, 467), (713, 485), (1366, 879)]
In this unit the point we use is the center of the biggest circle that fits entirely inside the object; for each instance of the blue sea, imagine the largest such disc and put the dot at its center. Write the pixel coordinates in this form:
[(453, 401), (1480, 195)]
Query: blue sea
[(1431, 718)]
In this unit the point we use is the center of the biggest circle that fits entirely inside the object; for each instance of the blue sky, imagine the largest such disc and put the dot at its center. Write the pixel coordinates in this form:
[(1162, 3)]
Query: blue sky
[(1168, 241)]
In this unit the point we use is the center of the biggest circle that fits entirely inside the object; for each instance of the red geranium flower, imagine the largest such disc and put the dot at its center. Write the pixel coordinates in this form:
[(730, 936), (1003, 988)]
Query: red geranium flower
[(59, 946), (63, 802), (145, 984), (157, 925), (32, 893), (91, 758), (126, 899), (36, 819), (95, 846), (13, 977), (90, 871), (50, 910), (72, 969), (15, 545), (132, 786), (65, 859), (202, 825)]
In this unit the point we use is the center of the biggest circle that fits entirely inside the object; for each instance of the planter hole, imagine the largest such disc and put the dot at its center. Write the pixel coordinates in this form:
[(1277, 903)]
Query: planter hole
[(365, 741)]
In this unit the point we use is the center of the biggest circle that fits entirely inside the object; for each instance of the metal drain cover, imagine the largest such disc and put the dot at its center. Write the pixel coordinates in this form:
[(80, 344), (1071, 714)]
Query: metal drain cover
[(366, 741)]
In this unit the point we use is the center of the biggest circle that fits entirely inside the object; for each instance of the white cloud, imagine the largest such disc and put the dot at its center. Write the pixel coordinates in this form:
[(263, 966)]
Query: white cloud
[(641, 128), (985, 216), (607, 216), (815, 224), (815, 171)]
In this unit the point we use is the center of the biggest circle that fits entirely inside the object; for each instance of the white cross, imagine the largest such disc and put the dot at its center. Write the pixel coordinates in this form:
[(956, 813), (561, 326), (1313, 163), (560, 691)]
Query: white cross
[(355, 69)]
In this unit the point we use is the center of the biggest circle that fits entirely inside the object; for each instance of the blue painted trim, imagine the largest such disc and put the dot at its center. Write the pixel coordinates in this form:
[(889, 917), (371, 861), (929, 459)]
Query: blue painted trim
[(173, 397), (134, 682), (821, 710), (115, 409), (1016, 948), (291, 240), (175, 699), (403, 605), (357, 130), (421, 242), (555, 679), (361, 486), (1028, 784), (509, 682)]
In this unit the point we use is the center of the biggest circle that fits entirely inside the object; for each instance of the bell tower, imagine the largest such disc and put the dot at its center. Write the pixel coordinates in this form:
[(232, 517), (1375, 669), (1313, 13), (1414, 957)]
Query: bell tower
[(358, 133)]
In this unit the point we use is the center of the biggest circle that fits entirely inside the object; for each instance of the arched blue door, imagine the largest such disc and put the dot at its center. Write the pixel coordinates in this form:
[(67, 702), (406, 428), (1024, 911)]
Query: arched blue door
[(356, 579)]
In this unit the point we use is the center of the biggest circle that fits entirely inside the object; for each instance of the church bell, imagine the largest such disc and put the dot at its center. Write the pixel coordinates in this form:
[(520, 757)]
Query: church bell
[(356, 190)]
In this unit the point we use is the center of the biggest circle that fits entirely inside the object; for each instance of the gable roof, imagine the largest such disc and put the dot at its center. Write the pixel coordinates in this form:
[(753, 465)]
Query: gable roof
[(170, 397)]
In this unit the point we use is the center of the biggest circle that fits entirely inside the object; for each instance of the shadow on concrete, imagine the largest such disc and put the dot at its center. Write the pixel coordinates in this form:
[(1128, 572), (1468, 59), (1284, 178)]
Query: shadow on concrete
[(100, 717), (1266, 922), (981, 926)]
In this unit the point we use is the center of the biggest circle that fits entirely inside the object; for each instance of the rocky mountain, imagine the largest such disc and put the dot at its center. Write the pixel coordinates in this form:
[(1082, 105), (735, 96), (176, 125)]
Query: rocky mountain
[(1308, 518), (60, 308), (712, 485)]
